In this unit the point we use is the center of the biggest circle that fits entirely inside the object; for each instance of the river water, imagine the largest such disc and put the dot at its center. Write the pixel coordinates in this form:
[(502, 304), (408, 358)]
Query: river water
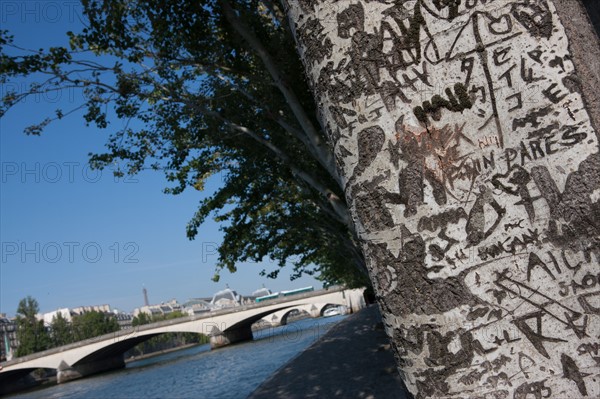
[(230, 372)]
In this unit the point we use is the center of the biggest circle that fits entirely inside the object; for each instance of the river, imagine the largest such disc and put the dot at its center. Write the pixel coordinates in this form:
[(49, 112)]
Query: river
[(197, 372)]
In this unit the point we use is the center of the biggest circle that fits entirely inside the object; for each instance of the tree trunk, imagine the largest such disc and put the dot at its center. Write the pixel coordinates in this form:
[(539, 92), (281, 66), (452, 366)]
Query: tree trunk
[(464, 132)]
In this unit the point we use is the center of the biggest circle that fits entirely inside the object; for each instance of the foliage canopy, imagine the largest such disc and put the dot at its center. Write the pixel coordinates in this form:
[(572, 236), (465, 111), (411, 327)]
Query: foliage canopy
[(208, 87), (92, 324), (31, 333), (61, 332), (33, 336)]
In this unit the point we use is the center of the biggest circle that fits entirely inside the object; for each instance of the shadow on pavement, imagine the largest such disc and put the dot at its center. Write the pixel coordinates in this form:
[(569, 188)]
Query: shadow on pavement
[(353, 360)]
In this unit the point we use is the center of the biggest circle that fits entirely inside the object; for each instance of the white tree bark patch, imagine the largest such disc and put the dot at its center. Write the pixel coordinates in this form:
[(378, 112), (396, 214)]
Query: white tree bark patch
[(472, 171)]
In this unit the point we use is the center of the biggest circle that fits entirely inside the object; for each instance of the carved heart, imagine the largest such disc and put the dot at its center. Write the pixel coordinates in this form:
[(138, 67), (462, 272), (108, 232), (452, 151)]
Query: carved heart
[(501, 25)]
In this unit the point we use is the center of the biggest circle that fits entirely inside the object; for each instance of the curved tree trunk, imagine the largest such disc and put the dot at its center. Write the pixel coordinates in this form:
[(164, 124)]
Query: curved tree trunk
[(464, 131)]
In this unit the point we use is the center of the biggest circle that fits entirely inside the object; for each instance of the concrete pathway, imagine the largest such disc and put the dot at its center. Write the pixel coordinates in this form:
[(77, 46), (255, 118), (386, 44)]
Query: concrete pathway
[(353, 360)]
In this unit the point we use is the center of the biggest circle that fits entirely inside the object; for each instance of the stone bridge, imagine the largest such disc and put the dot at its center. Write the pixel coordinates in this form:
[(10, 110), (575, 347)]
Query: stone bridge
[(224, 327)]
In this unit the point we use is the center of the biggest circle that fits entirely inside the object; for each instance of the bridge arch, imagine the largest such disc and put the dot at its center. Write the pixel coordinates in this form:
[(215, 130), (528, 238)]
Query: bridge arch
[(283, 320), (241, 328), (223, 327), (280, 318), (115, 349), (15, 380)]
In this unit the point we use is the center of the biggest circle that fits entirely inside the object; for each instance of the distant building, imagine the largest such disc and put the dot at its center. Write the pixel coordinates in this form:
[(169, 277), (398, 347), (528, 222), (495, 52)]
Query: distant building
[(223, 299), (226, 298), (124, 320), (197, 306), (49, 317), (8, 337), (94, 308), (161, 309), (145, 292)]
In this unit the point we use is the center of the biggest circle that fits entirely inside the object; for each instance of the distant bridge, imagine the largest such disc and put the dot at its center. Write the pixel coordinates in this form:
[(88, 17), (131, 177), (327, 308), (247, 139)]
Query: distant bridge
[(224, 327)]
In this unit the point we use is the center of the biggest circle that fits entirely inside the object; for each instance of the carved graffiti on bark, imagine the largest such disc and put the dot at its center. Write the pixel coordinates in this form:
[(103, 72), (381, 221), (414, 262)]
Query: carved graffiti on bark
[(473, 174)]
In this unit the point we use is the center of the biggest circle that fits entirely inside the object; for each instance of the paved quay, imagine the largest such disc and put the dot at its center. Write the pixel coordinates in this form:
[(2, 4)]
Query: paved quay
[(353, 360)]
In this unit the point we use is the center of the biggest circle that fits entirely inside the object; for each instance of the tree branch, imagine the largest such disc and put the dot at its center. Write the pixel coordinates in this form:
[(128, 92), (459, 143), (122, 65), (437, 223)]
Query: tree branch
[(340, 209), (320, 149)]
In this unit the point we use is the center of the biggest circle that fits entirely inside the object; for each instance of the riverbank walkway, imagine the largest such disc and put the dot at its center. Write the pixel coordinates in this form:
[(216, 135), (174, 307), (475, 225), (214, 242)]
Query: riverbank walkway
[(352, 360)]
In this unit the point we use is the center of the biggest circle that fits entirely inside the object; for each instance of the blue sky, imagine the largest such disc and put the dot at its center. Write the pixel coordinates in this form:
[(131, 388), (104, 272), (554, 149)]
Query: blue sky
[(72, 236)]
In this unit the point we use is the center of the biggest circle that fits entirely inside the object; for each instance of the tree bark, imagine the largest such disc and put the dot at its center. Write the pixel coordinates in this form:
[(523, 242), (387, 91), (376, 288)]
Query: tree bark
[(464, 134)]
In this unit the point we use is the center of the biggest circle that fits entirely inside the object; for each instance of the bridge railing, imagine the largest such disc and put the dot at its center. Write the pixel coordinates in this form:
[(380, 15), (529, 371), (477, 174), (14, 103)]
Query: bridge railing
[(185, 319)]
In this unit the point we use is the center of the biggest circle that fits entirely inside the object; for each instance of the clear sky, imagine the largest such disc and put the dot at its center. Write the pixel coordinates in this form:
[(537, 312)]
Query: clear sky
[(72, 236)]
